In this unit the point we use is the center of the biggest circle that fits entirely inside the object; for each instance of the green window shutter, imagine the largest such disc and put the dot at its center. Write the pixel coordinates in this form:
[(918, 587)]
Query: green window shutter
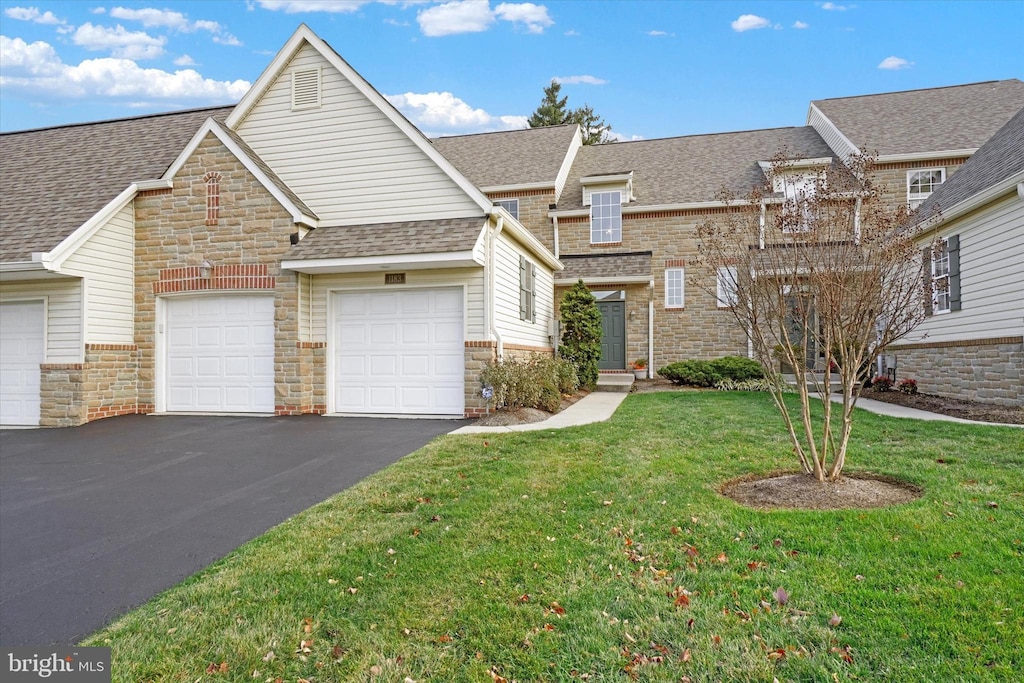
[(532, 291), (523, 274), (926, 285), (953, 247)]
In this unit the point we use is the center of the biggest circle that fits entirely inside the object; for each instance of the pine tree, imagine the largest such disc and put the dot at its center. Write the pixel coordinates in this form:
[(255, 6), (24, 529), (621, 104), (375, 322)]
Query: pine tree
[(552, 111), (581, 333), (593, 128)]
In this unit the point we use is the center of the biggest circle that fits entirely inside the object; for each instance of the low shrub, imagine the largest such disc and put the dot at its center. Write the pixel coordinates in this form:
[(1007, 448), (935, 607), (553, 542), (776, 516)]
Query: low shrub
[(738, 368), (535, 383), (882, 383), (697, 373), (743, 385), (907, 386)]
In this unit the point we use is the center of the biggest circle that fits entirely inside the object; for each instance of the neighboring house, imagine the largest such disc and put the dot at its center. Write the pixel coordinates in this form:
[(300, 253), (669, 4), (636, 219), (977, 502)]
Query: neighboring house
[(627, 226), (971, 344), (306, 251)]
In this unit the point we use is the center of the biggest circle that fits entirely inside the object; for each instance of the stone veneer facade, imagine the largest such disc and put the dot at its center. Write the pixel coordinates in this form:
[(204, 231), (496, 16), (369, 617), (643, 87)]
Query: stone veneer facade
[(698, 330), (983, 370), (104, 385), (244, 245), (533, 212)]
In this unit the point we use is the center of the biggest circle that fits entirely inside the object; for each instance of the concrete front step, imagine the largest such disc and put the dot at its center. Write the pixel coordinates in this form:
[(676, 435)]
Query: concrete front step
[(811, 378), (615, 381)]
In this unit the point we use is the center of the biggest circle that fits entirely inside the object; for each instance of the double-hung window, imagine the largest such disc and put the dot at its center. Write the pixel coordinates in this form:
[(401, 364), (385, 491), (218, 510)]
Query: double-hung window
[(798, 193), (510, 205), (727, 287), (940, 277), (921, 183), (605, 217), (674, 288)]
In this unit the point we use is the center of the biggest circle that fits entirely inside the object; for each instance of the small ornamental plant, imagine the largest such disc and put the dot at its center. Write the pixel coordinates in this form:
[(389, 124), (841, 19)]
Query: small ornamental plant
[(882, 383), (640, 364), (907, 386)]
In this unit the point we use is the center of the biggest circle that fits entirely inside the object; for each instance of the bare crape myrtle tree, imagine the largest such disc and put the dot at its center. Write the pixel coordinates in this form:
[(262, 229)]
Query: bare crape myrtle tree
[(822, 276)]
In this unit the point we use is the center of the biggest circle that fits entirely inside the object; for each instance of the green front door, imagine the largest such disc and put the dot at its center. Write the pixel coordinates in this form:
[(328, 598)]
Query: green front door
[(613, 335)]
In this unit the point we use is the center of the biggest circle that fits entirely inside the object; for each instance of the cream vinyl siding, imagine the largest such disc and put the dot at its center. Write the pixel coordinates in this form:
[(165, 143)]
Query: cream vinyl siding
[(63, 314), (506, 295), (991, 277), (106, 262), (346, 159), (829, 133), (470, 278)]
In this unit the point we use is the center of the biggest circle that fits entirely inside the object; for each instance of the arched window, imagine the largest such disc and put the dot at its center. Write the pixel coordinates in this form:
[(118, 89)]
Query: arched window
[(212, 180)]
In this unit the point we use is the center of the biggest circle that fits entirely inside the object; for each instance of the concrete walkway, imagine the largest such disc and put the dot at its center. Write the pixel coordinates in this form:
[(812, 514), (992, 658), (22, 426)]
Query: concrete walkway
[(894, 410), (596, 406)]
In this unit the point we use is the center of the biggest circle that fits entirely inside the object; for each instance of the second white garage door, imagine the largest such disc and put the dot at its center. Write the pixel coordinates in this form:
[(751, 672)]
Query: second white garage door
[(21, 352), (399, 352), (220, 354)]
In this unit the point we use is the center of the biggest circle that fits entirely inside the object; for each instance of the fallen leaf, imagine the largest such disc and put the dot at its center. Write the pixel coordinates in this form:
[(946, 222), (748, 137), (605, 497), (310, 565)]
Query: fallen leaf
[(337, 652), (171, 630), (435, 518), (212, 668), (674, 531), (524, 598), (557, 609), (686, 656), (223, 668), (716, 640), (375, 670), (689, 625), (269, 657), (777, 655), (353, 591), (415, 532), (835, 620), (444, 638), (777, 542), (992, 504), (859, 577), (606, 503), (332, 581), (754, 566), (682, 600), (391, 551), (495, 677), (781, 596), (722, 557)]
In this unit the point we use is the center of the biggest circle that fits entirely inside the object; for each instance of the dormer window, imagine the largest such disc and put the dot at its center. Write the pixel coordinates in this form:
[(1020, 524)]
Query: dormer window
[(605, 217), (797, 192), (921, 183), (306, 89)]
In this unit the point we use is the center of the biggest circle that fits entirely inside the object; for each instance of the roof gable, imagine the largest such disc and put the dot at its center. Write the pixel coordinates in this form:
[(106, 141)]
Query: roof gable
[(70, 173), (955, 118), (354, 158)]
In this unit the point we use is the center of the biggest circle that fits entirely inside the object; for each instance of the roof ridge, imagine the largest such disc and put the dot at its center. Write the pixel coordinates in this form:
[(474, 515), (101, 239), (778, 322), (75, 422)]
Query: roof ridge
[(118, 120), (495, 132), (696, 135), (900, 92)]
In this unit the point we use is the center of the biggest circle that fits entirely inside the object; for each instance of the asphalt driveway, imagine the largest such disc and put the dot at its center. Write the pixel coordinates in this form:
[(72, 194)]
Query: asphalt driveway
[(98, 519)]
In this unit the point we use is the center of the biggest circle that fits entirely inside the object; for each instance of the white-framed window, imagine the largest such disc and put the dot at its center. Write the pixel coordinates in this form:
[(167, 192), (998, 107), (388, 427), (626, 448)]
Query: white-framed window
[(940, 277), (510, 205), (527, 290), (605, 217), (726, 287), (798, 191), (921, 183), (674, 288)]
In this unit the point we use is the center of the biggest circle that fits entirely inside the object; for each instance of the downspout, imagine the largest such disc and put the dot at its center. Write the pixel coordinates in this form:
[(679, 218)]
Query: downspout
[(555, 219), (650, 334), (492, 323)]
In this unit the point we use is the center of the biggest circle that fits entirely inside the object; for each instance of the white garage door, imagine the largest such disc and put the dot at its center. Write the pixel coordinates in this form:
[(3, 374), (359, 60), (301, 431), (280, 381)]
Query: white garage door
[(399, 352), (21, 352), (220, 354)]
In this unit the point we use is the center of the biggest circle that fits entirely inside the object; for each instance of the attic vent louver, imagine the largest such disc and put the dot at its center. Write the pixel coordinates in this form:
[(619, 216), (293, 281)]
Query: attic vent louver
[(306, 89)]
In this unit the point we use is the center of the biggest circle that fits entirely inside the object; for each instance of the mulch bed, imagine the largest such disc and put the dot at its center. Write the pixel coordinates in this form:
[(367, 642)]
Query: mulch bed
[(804, 492), (521, 416), (967, 410)]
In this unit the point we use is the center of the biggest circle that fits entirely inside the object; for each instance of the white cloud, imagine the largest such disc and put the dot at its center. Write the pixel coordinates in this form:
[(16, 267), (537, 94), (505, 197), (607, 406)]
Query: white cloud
[(150, 17), (895, 64), (534, 17), (227, 39), (296, 6), (121, 42), (658, 34), (749, 22), (395, 22), (98, 10), (800, 24), (832, 7), (460, 16), (184, 60), (474, 16), (33, 14), (584, 78), (443, 113), (619, 137), (572, 32), (37, 68)]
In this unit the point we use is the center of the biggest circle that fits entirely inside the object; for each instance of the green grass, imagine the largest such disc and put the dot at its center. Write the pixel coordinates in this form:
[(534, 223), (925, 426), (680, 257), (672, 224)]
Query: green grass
[(458, 552)]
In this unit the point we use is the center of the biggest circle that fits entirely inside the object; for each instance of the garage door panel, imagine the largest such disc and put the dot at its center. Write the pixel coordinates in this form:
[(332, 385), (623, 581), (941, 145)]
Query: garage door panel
[(220, 355), (22, 344), (392, 350)]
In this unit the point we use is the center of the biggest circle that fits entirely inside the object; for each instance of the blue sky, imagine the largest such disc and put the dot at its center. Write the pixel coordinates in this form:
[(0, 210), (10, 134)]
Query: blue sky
[(652, 69)]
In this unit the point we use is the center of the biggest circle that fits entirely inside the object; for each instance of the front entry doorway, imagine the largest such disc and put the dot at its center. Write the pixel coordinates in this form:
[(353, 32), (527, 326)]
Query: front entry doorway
[(613, 329)]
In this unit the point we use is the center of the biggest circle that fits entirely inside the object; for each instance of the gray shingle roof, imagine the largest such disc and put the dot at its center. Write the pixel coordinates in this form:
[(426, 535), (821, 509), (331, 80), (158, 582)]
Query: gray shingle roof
[(390, 239), (634, 264), (269, 172), (936, 119), (514, 157), (55, 179), (693, 168), (998, 159)]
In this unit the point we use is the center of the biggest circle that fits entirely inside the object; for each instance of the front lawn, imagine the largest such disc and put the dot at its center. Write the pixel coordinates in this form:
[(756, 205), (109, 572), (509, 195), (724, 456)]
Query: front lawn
[(605, 553)]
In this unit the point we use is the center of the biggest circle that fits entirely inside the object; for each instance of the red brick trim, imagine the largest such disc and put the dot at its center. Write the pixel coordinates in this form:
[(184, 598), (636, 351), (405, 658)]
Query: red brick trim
[(928, 163), (675, 263), (517, 194), (678, 213), (190, 278), (111, 347), (480, 344), (311, 345), (993, 341), (510, 347), (111, 411), (300, 410), (61, 366), (474, 412), (608, 286), (572, 220), (154, 193), (602, 245)]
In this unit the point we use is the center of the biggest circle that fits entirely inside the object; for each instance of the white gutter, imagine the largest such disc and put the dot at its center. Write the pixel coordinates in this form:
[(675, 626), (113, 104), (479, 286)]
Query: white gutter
[(767, 166), (491, 279), (650, 334), (1020, 192), (516, 187), (925, 156), (979, 199), (606, 280), (364, 264)]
